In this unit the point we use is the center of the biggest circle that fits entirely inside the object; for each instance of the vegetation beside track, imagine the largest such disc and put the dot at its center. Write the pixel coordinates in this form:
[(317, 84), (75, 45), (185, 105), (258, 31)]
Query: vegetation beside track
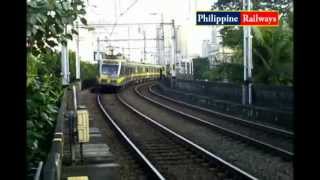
[(272, 48), (46, 23), (44, 91)]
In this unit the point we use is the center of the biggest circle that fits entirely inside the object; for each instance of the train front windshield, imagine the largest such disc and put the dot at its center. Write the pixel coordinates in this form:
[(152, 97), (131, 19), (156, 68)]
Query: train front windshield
[(109, 69)]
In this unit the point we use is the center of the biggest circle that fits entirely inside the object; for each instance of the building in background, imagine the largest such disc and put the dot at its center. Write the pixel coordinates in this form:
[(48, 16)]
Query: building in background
[(205, 48)]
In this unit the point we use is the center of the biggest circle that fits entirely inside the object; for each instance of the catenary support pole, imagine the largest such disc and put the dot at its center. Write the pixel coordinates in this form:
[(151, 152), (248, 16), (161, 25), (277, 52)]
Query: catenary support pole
[(247, 59), (64, 64), (78, 78)]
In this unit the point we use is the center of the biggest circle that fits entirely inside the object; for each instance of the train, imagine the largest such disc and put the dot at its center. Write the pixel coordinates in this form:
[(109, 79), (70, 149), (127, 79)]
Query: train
[(116, 72)]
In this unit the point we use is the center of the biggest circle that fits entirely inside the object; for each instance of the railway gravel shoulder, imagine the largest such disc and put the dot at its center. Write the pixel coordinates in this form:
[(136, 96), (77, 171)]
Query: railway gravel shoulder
[(257, 162), (276, 140), (129, 168), (172, 160)]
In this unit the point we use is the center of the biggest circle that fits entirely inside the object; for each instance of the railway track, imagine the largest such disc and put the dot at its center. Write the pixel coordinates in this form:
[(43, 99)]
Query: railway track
[(227, 117), (165, 153), (260, 162), (276, 140), (130, 168)]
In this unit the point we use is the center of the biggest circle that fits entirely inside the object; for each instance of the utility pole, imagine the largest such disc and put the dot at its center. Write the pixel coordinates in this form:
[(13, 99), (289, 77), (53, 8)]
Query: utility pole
[(178, 48), (247, 59), (174, 56), (78, 59), (98, 52), (162, 49), (129, 43), (158, 44), (144, 46), (64, 63), (174, 47)]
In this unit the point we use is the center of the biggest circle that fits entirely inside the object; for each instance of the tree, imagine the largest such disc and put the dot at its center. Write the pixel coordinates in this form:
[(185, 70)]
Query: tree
[(46, 22), (273, 55), (201, 65), (272, 47)]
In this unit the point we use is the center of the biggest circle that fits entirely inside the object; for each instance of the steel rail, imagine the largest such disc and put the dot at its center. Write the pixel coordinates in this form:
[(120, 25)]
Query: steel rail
[(156, 173), (228, 117), (235, 170), (281, 152)]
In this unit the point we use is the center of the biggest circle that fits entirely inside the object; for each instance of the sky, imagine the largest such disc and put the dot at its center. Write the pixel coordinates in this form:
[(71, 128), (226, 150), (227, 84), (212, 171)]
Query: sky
[(143, 11)]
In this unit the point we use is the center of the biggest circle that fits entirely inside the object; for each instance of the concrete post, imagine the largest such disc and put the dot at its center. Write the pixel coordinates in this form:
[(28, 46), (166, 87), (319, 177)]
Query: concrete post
[(65, 64), (247, 59)]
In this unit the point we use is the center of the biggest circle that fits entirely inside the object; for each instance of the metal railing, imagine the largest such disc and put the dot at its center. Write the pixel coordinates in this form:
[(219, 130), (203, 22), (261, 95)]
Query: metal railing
[(52, 167), (279, 97), (253, 113)]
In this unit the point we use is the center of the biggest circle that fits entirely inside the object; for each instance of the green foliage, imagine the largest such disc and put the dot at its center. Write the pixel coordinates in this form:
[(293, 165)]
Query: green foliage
[(88, 71), (46, 21), (273, 55), (43, 95), (226, 71), (272, 47), (44, 91), (200, 65)]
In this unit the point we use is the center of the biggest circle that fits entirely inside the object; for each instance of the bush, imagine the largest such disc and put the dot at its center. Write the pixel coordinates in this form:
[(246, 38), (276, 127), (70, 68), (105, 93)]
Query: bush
[(88, 71), (43, 98)]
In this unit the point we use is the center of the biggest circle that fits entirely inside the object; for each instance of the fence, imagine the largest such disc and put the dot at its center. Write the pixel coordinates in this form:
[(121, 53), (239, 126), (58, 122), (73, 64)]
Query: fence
[(52, 166), (226, 97), (279, 97)]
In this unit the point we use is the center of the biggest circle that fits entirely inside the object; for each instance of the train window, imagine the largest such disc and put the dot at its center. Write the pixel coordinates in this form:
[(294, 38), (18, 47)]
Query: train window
[(109, 69)]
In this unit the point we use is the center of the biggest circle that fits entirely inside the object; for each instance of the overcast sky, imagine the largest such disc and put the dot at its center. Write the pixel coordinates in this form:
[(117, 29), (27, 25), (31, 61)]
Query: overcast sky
[(137, 11)]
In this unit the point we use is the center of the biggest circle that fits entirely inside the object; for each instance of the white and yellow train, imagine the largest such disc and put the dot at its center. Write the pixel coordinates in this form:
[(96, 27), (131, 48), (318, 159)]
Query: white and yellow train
[(115, 72)]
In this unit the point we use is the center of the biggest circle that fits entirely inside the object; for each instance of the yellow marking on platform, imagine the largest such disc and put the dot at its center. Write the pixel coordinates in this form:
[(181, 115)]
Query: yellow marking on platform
[(57, 139), (78, 178), (83, 126)]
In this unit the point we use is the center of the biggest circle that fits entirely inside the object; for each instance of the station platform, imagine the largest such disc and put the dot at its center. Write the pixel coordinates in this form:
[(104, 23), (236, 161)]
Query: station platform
[(98, 163)]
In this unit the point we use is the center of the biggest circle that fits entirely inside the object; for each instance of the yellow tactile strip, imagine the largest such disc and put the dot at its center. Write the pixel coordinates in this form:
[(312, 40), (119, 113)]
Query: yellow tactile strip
[(78, 178)]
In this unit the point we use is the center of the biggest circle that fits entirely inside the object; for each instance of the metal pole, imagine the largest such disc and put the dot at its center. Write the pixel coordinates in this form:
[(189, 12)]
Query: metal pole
[(78, 78), (39, 169), (173, 61), (64, 64), (249, 65), (162, 52), (129, 51), (245, 51), (78, 56), (98, 51), (71, 119), (75, 108), (177, 52), (247, 59), (144, 46), (158, 45)]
